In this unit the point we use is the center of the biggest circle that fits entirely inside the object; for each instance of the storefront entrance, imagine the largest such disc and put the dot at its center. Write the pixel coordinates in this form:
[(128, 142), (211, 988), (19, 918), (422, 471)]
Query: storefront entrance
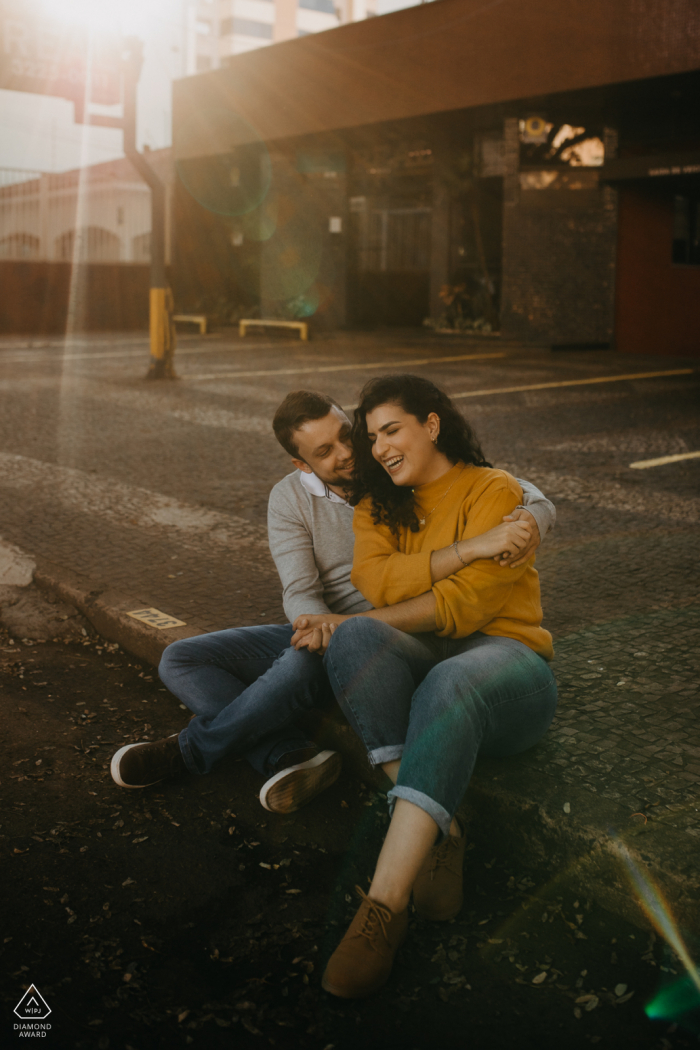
[(390, 275)]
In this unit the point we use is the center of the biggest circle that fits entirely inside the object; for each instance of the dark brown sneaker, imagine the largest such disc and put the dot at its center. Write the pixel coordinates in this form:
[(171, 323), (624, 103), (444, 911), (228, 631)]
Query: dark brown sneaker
[(362, 962), (437, 891), (140, 765), (299, 782)]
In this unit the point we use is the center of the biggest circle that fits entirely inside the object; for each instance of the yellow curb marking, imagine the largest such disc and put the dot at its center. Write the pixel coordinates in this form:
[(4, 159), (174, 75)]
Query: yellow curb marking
[(566, 382), (155, 618), (359, 367), (642, 464), (573, 382)]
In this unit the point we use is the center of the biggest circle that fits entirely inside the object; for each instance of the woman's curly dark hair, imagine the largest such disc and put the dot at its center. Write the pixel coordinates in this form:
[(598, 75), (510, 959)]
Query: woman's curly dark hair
[(392, 504)]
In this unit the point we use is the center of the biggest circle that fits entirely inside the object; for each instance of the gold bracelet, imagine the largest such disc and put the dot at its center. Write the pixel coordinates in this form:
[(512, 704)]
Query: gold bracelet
[(465, 563)]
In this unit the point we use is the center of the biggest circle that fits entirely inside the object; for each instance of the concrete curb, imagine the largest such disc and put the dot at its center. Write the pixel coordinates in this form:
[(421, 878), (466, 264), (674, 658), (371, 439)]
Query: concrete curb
[(107, 611), (510, 807)]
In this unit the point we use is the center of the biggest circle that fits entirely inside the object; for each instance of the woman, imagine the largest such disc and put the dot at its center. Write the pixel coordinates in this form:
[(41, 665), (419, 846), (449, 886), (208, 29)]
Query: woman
[(451, 663)]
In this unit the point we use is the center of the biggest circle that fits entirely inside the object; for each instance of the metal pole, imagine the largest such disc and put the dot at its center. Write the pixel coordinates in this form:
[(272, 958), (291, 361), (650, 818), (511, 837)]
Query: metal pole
[(162, 329)]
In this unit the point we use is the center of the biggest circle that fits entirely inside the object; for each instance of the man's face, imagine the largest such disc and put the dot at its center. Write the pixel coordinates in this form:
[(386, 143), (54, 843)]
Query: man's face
[(324, 448)]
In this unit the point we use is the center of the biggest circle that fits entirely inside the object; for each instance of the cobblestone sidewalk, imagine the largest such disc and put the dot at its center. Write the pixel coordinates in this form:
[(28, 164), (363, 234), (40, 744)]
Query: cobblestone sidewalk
[(628, 725)]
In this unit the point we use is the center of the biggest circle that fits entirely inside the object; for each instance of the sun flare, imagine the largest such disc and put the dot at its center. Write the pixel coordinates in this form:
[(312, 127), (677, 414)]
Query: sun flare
[(140, 17)]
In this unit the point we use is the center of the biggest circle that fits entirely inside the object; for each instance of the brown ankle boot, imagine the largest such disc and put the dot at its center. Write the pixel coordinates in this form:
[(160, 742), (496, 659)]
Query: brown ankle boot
[(437, 891), (362, 962)]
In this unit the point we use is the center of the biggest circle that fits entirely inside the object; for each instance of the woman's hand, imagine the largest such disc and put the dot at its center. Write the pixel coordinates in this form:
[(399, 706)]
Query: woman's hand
[(525, 517), (505, 543), (314, 631)]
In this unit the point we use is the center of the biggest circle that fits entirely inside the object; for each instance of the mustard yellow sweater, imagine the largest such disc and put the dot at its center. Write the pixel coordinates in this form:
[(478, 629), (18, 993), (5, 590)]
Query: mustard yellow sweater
[(481, 597)]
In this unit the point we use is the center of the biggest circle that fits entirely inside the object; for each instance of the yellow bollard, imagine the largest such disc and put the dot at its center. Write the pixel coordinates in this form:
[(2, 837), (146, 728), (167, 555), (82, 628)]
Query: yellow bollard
[(162, 333)]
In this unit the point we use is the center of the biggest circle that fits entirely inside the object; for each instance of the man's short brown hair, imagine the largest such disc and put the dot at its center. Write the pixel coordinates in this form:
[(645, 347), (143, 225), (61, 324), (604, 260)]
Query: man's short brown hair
[(298, 408)]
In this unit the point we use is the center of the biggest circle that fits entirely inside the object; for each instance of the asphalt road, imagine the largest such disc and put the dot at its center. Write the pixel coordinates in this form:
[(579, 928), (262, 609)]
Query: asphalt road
[(108, 474)]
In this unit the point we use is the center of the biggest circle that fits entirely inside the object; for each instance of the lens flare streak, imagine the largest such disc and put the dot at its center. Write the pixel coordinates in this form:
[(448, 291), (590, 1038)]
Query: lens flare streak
[(658, 911)]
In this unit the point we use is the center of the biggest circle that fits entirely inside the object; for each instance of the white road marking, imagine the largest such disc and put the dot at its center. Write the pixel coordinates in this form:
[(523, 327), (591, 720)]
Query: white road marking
[(69, 341), (30, 356), (129, 505), (643, 464), (361, 366)]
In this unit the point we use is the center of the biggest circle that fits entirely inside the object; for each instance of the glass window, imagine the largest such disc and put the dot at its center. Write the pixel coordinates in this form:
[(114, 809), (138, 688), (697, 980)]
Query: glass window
[(326, 6), (686, 231), (246, 27), (556, 145)]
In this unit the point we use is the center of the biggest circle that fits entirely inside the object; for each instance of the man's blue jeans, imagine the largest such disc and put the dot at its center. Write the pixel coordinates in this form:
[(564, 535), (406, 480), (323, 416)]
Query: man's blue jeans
[(246, 686), (437, 703)]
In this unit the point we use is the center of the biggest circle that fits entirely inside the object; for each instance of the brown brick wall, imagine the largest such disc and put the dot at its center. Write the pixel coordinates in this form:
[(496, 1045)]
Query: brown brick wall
[(48, 298), (559, 269)]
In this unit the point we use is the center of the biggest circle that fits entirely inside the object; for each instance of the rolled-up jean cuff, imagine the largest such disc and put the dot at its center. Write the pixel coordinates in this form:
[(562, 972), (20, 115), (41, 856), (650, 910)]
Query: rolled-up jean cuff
[(442, 818), (380, 755), (186, 753)]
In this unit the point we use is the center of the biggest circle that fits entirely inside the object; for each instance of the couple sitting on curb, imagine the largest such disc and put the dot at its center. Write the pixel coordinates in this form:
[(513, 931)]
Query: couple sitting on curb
[(428, 634)]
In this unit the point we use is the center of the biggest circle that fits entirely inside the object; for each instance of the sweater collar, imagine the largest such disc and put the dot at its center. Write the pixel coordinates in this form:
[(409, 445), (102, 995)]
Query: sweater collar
[(428, 495), (313, 484)]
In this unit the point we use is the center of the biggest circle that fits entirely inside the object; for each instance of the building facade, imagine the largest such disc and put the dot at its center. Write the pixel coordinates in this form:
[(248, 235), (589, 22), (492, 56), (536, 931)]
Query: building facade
[(219, 29), (456, 164)]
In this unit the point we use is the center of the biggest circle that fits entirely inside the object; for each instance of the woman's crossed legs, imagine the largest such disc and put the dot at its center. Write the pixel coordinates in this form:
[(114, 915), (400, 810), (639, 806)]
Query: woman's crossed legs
[(425, 708)]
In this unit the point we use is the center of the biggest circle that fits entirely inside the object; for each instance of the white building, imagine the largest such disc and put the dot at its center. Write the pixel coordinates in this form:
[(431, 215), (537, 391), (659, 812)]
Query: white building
[(97, 214), (220, 28)]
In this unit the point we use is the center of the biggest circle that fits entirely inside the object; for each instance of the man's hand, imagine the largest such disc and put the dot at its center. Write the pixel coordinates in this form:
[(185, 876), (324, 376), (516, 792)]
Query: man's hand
[(316, 640), (520, 514), (314, 632)]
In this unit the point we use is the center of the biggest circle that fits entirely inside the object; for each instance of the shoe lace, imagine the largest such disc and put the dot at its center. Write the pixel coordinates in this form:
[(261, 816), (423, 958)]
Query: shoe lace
[(442, 855), (377, 918)]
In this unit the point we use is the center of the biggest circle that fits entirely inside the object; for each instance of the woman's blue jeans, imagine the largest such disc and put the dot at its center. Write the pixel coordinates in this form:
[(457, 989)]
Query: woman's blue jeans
[(246, 686), (438, 703)]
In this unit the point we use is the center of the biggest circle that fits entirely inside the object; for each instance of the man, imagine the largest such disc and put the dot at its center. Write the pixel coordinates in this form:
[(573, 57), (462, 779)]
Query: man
[(247, 686)]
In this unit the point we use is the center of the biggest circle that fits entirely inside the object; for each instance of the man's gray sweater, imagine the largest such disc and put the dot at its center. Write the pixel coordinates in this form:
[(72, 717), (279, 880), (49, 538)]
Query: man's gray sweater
[(311, 541)]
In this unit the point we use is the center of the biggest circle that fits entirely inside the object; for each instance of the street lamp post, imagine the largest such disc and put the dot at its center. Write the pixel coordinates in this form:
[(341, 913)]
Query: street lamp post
[(161, 325)]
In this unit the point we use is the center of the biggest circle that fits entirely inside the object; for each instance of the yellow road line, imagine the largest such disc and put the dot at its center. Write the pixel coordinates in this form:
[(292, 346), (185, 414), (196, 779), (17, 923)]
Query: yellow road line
[(359, 367), (661, 461), (573, 382)]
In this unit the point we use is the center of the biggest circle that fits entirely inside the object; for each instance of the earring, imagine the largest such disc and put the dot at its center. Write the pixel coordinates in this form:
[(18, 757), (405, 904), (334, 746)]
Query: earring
[(434, 440)]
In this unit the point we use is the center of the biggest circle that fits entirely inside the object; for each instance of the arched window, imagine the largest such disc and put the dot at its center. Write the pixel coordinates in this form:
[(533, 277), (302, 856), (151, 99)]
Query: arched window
[(94, 244), (19, 246)]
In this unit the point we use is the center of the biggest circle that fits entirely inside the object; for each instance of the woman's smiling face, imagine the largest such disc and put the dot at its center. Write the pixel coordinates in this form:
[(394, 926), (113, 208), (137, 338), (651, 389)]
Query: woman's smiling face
[(404, 446)]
